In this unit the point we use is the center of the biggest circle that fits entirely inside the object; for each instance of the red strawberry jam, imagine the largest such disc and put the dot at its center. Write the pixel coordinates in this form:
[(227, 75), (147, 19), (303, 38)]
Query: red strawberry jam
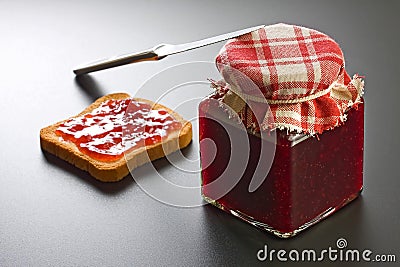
[(99, 133), (308, 180)]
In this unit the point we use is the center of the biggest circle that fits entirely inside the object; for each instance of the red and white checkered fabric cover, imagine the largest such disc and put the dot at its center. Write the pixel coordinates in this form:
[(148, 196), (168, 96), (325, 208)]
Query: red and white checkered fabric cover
[(300, 73)]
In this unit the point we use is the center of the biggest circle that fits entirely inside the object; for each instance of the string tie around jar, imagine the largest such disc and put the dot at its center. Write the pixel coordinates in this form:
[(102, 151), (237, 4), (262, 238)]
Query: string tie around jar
[(260, 99)]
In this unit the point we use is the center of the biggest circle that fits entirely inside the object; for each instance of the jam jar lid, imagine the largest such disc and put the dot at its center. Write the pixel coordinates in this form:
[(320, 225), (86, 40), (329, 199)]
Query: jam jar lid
[(298, 72)]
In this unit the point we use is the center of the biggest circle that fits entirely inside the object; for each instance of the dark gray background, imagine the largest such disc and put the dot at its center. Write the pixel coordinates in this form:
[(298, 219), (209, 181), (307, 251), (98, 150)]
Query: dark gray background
[(53, 214)]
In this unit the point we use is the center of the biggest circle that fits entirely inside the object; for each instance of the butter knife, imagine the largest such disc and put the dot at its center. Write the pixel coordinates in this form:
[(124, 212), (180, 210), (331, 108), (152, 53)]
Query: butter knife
[(158, 52)]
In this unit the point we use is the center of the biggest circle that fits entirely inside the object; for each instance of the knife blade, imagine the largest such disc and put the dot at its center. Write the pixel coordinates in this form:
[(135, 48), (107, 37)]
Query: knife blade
[(158, 52)]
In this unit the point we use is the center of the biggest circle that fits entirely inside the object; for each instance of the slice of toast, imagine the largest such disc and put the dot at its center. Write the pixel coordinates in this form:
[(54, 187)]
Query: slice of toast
[(115, 170)]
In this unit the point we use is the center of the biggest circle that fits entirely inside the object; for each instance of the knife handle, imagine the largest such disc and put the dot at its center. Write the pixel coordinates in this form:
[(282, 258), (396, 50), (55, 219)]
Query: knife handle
[(148, 55)]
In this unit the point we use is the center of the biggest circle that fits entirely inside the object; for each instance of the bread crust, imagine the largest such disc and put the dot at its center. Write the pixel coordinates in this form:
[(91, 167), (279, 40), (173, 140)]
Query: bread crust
[(115, 170)]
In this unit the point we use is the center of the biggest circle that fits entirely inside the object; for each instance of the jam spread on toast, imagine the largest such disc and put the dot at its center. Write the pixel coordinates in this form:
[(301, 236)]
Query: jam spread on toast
[(118, 126)]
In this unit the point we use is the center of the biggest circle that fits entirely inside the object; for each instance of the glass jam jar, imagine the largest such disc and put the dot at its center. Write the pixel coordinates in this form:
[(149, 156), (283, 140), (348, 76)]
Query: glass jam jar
[(309, 178), (310, 174)]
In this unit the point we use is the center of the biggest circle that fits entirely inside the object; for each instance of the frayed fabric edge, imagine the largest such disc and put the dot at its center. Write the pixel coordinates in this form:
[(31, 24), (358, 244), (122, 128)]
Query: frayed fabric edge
[(357, 81)]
